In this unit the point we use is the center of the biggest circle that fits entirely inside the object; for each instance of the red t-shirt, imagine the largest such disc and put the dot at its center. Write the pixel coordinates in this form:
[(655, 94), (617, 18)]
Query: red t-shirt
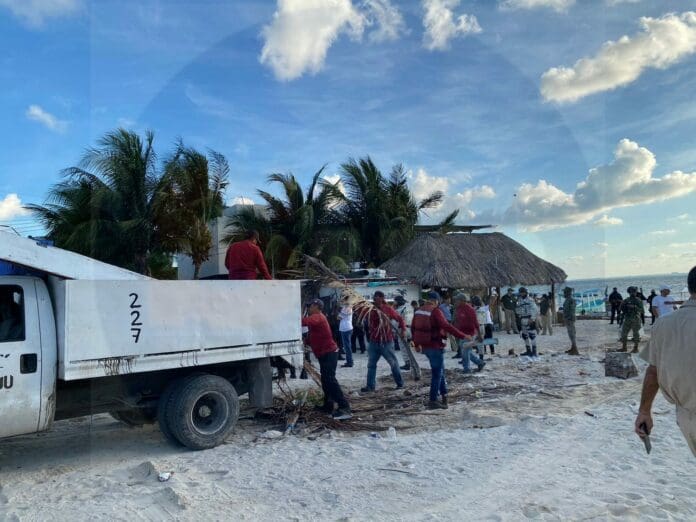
[(465, 319), (380, 330), (243, 259), (320, 339)]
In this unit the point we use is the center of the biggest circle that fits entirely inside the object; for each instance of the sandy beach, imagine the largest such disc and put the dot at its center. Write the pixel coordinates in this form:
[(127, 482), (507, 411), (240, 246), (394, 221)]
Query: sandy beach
[(560, 447)]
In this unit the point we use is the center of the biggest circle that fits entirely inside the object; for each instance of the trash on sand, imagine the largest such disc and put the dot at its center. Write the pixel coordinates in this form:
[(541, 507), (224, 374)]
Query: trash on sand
[(164, 476), (271, 434), (391, 432)]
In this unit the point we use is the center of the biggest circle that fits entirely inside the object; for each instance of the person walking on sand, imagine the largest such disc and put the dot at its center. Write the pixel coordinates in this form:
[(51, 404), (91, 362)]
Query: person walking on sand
[(671, 357), (483, 314), (509, 304), (569, 319), (526, 311), (652, 296), (545, 315), (428, 333), (381, 341), (615, 299), (406, 312), (325, 350), (345, 329), (465, 321), (244, 258), (630, 309)]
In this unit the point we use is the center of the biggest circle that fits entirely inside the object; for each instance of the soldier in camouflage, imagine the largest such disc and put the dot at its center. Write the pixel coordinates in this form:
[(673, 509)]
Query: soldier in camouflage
[(526, 311), (631, 309), (569, 319)]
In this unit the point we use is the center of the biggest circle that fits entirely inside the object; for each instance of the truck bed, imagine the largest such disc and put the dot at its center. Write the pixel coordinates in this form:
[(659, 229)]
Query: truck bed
[(116, 327)]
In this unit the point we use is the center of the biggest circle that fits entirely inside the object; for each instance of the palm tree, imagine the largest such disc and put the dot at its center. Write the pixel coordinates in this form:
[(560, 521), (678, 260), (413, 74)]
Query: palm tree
[(104, 207), (189, 197), (382, 212), (298, 223)]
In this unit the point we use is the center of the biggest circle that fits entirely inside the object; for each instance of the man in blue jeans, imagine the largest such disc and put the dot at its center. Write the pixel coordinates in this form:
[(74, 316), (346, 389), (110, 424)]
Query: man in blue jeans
[(381, 341), (345, 328), (428, 332)]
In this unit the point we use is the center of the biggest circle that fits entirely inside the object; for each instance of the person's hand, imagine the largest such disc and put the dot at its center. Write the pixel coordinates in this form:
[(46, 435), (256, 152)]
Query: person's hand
[(646, 418)]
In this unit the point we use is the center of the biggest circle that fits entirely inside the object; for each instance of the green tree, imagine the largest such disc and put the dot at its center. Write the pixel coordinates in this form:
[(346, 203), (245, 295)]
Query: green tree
[(104, 207), (298, 222), (381, 211), (190, 195)]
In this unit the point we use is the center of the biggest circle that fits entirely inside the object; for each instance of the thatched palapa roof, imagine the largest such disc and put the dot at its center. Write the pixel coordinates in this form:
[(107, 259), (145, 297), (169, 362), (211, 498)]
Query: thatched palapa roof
[(471, 261)]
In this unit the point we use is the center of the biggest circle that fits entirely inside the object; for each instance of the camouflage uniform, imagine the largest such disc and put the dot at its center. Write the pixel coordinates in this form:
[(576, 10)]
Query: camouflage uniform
[(526, 311), (569, 319), (631, 309)]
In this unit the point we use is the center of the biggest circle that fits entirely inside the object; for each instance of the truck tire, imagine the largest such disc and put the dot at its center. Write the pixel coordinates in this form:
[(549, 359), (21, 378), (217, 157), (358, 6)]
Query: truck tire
[(134, 418), (163, 406), (202, 411)]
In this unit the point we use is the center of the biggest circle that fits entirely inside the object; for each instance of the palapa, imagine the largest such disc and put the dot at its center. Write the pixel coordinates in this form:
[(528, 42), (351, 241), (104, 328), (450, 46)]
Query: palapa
[(480, 260)]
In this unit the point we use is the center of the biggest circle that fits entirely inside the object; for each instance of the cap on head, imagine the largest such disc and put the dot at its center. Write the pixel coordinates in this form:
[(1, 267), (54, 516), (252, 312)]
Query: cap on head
[(433, 296), (632, 290), (567, 291), (460, 297), (318, 303), (522, 290), (663, 288), (476, 300), (399, 299), (510, 290)]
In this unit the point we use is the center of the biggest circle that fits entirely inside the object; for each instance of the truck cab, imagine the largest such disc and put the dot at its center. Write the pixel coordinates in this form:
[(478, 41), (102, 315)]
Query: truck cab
[(27, 356)]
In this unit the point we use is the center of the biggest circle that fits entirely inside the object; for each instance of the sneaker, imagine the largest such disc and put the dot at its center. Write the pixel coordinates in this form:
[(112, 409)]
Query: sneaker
[(343, 414), (444, 404), (346, 365), (405, 367), (366, 389), (467, 371), (399, 387), (456, 356), (433, 405), (481, 366)]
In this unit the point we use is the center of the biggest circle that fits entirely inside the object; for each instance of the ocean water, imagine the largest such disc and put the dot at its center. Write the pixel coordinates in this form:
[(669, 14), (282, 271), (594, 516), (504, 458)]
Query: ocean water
[(676, 283)]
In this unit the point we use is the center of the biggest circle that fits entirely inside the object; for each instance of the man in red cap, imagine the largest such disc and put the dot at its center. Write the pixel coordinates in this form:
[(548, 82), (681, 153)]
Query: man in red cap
[(244, 258)]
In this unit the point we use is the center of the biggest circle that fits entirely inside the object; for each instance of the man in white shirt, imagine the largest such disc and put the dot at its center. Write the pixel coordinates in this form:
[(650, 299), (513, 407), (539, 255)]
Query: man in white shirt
[(663, 304)]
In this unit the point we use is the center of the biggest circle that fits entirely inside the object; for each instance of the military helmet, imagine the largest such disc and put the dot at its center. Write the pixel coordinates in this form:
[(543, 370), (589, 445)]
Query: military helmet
[(567, 291), (522, 290), (632, 290)]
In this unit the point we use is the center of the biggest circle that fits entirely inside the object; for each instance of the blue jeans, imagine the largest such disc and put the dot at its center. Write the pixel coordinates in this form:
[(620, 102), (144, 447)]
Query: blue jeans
[(438, 385), (376, 350), (347, 346), (468, 355)]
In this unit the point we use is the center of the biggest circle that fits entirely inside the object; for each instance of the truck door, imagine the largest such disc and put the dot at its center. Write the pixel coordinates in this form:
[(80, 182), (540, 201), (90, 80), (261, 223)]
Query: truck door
[(20, 357)]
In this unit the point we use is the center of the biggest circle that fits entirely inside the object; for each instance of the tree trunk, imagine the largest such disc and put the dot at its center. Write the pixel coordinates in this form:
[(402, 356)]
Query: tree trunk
[(196, 271)]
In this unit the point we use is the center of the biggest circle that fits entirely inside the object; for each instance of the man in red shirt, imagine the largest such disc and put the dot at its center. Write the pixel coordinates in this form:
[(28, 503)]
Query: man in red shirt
[(381, 341), (465, 320), (428, 332), (325, 350), (244, 258)]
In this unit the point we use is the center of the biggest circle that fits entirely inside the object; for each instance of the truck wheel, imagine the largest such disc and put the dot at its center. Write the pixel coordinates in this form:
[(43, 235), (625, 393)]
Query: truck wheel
[(203, 411), (163, 406), (134, 418)]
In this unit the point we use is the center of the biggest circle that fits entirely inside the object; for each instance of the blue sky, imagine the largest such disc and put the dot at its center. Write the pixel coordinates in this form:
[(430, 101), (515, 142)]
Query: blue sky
[(505, 105)]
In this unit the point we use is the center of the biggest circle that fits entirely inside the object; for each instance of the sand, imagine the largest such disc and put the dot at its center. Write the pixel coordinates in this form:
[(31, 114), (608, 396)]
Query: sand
[(535, 454)]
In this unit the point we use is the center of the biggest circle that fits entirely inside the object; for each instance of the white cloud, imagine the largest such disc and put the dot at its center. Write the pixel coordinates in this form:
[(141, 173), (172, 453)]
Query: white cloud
[(682, 246), (663, 42), (616, 2), (302, 31), (626, 181), (602, 244), (669, 232), (607, 221), (386, 18), (241, 200), (208, 104), (335, 179), (37, 113), (556, 5), (575, 259), (423, 184), (36, 12), (11, 208), (126, 123), (680, 217), (441, 25)]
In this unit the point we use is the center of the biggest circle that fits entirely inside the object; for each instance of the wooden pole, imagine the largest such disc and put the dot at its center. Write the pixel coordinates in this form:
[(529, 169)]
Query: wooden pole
[(553, 303)]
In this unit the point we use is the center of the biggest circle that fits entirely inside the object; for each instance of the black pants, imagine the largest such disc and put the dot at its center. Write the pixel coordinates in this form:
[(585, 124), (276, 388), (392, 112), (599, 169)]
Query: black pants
[(615, 312), (359, 335), (332, 390), (652, 316)]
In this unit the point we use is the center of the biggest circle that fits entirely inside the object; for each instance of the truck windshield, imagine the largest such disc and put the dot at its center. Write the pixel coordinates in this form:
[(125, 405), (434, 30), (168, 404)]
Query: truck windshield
[(11, 314)]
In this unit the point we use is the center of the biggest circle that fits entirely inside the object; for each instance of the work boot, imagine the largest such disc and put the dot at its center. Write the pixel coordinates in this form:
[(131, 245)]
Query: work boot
[(444, 405), (623, 347), (343, 414), (365, 389), (635, 349), (434, 405), (406, 367), (573, 351), (480, 366)]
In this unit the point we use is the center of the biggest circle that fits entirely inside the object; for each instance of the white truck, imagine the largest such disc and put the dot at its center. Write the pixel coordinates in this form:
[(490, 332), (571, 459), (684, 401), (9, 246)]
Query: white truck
[(79, 337)]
